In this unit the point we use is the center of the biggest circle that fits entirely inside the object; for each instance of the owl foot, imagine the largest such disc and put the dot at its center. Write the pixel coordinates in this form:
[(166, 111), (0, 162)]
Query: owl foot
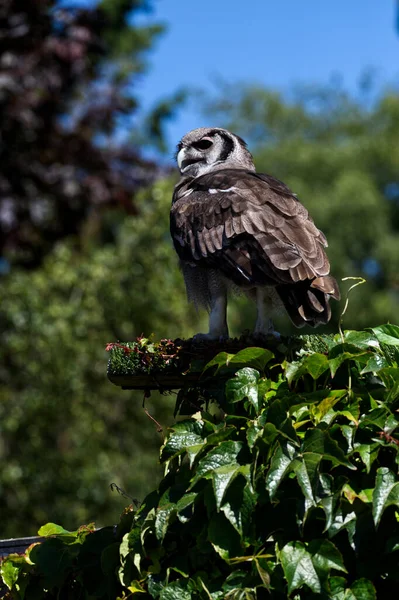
[(210, 337), (268, 331)]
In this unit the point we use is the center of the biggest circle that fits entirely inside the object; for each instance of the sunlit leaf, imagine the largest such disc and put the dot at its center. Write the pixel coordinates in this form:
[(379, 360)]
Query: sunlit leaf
[(280, 465), (244, 385), (298, 567), (386, 492), (387, 334)]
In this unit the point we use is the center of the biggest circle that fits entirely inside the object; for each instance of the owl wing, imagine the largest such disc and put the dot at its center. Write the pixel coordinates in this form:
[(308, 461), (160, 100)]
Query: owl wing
[(248, 225)]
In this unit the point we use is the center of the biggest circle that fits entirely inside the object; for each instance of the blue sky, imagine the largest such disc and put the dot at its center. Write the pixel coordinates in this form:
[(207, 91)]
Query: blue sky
[(279, 43)]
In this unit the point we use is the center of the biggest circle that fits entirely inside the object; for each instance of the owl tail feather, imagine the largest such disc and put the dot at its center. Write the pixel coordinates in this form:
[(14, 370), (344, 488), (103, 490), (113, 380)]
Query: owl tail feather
[(307, 302)]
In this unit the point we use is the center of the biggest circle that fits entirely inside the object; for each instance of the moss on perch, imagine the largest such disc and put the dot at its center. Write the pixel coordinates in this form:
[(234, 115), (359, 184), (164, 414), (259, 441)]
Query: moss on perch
[(167, 364)]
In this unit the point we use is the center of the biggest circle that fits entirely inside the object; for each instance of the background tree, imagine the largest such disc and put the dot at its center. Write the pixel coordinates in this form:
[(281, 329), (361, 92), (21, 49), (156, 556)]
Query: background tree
[(66, 79)]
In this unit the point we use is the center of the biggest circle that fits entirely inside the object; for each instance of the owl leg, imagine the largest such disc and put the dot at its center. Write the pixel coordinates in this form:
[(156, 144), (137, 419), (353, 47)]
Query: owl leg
[(264, 325), (218, 308)]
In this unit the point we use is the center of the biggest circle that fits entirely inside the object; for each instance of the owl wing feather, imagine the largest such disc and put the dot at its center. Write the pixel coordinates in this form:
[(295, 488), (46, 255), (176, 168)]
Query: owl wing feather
[(248, 225)]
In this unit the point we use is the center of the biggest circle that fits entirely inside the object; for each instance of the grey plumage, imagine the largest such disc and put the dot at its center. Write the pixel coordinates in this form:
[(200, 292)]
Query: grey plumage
[(231, 225)]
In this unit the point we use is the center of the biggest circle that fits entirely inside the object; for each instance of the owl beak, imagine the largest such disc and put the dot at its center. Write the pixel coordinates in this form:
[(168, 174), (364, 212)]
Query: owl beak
[(183, 162)]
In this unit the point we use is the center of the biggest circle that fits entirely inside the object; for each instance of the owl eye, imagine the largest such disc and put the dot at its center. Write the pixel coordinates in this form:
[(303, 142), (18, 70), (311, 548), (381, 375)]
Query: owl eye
[(203, 144)]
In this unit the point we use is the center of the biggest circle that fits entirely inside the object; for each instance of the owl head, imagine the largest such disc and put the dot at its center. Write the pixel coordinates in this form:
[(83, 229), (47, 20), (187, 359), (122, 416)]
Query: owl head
[(212, 148)]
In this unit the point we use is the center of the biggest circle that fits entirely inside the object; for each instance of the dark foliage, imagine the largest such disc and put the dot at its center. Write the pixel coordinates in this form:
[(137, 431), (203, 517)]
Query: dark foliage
[(289, 490), (61, 98)]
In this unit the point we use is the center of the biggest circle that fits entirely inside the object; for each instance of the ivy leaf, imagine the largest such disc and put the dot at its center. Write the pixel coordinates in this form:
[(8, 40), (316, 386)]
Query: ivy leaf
[(280, 466), (306, 471), (220, 360), (222, 478), (298, 567), (239, 506), (386, 493), (179, 442), (361, 589), (375, 364), (387, 334), (223, 537), (321, 409), (368, 453), (337, 361), (162, 518), (177, 590), (253, 433), (256, 358), (244, 385), (11, 568), (51, 529), (315, 364), (361, 339), (325, 557), (320, 442), (224, 454)]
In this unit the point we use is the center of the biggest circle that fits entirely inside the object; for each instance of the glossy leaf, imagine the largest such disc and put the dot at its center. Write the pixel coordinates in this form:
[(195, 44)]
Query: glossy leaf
[(179, 442), (222, 478), (314, 365), (280, 465), (387, 334), (386, 492), (225, 454), (257, 358), (319, 441), (298, 567), (244, 385)]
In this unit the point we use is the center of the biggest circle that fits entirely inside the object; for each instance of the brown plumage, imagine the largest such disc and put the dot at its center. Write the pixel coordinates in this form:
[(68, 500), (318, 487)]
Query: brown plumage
[(249, 228)]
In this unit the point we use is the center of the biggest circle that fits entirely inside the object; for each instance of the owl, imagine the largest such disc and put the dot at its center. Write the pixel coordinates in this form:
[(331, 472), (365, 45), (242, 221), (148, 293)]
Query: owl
[(235, 228)]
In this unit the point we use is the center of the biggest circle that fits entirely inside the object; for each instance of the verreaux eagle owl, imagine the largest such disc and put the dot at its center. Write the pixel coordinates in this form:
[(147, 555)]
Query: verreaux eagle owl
[(234, 227)]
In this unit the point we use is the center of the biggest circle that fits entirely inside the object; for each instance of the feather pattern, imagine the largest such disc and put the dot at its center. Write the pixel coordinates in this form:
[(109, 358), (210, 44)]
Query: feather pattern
[(252, 230)]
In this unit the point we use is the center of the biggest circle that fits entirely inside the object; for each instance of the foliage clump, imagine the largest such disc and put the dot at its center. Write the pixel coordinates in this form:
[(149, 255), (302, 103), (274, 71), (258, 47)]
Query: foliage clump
[(288, 488)]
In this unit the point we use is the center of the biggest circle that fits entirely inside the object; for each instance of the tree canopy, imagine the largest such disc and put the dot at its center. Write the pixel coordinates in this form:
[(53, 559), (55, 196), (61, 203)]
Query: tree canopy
[(66, 76)]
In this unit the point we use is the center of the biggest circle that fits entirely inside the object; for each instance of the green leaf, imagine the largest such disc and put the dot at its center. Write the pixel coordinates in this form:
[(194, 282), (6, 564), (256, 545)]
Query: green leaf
[(179, 442), (223, 537), (11, 568), (254, 432), (387, 334), (280, 466), (386, 493), (368, 453), (306, 471), (221, 434), (298, 567), (53, 559), (337, 361), (177, 590), (375, 364), (163, 517), (222, 478), (320, 442), (361, 339), (222, 455), (239, 506), (362, 589), (325, 557), (321, 409), (244, 385), (315, 364), (220, 360), (256, 358), (53, 529)]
